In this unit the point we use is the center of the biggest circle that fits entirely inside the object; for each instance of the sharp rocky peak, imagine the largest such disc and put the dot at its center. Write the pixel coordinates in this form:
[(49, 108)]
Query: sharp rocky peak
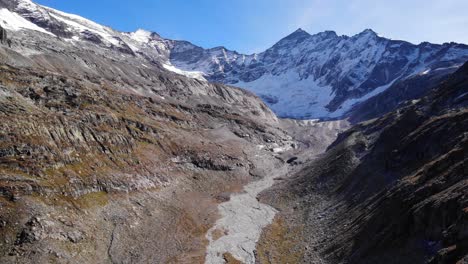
[(367, 33), (301, 34), (298, 34), (326, 34)]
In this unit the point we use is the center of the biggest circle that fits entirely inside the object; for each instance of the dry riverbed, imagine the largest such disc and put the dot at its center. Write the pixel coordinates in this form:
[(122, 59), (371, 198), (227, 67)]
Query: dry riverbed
[(242, 220), (243, 217)]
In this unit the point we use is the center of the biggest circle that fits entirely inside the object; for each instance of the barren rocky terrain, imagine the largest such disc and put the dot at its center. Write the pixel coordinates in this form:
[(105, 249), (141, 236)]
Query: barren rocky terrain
[(94, 173), (97, 174), (111, 154)]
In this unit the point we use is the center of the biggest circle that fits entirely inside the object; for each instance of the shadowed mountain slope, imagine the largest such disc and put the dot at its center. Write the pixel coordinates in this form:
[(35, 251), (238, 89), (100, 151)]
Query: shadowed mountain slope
[(392, 189)]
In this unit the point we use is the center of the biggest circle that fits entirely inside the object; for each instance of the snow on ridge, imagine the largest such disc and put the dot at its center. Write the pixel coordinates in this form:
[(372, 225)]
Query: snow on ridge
[(15, 22), (79, 24), (83, 22), (27, 4), (360, 67), (141, 35), (191, 74), (294, 78)]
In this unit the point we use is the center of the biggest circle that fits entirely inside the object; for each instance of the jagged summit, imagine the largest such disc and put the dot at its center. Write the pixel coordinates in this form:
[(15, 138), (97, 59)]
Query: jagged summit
[(327, 34), (367, 34), (368, 31), (300, 31), (298, 34), (143, 32), (324, 75)]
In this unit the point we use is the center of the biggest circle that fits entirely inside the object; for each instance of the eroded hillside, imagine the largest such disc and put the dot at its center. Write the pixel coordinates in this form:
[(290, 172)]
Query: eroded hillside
[(94, 173)]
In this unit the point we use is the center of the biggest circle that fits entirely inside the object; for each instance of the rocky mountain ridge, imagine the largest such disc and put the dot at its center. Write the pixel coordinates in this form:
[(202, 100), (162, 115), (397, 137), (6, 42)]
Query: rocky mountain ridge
[(323, 75), (302, 76)]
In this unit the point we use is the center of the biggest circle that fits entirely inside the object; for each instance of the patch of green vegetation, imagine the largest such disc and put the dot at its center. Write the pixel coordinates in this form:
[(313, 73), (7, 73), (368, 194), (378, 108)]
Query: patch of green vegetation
[(91, 200)]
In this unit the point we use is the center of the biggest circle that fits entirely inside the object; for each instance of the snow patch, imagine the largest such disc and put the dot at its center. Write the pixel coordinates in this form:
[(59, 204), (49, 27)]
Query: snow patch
[(15, 22), (80, 24), (425, 72), (297, 98), (348, 104), (4, 93), (141, 35), (191, 74)]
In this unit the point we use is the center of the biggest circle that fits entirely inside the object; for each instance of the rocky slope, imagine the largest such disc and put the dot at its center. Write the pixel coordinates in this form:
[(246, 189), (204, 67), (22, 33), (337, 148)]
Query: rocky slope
[(302, 76), (392, 189), (94, 173), (108, 157)]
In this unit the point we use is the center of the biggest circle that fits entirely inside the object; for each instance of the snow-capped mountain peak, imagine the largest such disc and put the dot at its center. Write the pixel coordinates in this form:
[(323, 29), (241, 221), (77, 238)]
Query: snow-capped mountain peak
[(299, 33), (368, 31), (322, 75)]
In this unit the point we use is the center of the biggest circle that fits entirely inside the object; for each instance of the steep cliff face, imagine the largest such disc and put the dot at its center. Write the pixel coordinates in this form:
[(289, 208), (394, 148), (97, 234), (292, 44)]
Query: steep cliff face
[(393, 189)]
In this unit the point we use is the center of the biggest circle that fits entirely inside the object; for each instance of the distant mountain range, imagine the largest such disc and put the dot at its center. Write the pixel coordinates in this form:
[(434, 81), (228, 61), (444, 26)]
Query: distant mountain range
[(322, 75), (302, 76)]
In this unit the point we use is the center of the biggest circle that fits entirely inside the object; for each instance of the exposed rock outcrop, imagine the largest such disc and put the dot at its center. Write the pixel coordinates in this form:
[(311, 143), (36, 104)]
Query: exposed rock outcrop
[(4, 37)]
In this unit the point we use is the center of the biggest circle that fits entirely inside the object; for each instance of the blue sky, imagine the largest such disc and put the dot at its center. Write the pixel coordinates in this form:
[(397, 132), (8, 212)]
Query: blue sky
[(253, 25)]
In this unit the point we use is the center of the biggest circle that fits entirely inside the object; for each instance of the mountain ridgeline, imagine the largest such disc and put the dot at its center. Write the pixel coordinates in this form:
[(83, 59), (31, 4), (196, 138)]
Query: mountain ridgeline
[(302, 76)]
